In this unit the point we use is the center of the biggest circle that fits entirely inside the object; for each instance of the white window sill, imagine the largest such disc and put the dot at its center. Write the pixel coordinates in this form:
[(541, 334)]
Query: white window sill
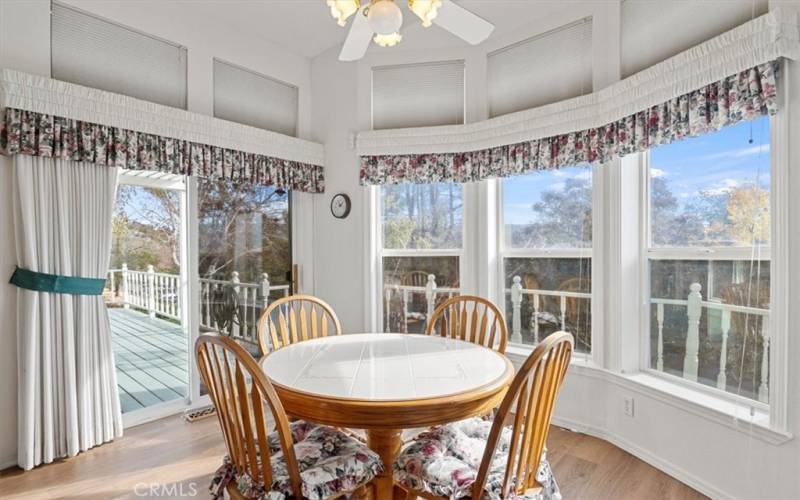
[(723, 411)]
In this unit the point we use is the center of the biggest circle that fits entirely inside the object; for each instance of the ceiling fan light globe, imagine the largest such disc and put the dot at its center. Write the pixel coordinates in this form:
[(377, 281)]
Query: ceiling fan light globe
[(426, 10), (385, 18), (389, 40), (341, 10)]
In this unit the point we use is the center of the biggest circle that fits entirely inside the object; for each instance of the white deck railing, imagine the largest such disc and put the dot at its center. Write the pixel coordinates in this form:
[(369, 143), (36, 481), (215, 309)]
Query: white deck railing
[(159, 294), (406, 294), (518, 293), (694, 305), (253, 299)]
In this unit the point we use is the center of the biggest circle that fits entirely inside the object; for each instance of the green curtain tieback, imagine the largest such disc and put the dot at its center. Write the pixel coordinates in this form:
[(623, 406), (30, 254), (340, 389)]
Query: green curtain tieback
[(43, 282)]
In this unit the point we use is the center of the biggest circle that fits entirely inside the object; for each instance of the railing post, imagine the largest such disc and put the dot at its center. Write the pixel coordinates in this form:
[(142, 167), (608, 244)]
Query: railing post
[(151, 291), (405, 309), (535, 299), (264, 290), (694, 309), (124, 286), (388, 309), (725, 323), (430, 296), (660, 321), (235, 333), (763, 388), (516, 310)]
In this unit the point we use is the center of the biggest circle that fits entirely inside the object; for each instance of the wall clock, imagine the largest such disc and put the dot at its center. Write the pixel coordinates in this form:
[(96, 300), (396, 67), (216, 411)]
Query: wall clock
[(340, 206)]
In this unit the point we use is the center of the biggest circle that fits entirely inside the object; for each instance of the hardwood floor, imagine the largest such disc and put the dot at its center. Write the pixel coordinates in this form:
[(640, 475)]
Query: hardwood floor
[(176, 459)]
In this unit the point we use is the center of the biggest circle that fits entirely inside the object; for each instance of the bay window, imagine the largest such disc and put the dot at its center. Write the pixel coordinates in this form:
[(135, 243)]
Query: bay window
[(708, 259), (546, 255), (421, 251)]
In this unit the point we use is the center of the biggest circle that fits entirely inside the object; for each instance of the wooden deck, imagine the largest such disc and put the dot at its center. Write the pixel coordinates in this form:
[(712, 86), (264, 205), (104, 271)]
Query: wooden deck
[(151, 357)]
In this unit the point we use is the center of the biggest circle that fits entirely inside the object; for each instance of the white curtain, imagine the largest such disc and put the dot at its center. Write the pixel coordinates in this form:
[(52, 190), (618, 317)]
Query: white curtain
[(68, 399)]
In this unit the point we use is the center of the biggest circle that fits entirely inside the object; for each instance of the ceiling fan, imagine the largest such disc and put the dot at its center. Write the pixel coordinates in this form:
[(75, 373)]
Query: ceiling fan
[(380, 21)]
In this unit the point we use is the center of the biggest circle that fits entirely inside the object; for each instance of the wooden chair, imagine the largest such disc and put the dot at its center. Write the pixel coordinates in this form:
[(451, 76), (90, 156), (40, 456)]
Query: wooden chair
[(245, 399), (528, 406), (299, 317), (470, 318)]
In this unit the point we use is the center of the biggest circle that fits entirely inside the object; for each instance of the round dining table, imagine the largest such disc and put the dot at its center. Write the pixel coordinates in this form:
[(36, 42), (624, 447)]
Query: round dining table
[(384, 383)]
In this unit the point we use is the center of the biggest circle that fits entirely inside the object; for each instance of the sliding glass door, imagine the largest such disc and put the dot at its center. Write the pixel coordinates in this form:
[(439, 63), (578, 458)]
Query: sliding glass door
[(244, 258)]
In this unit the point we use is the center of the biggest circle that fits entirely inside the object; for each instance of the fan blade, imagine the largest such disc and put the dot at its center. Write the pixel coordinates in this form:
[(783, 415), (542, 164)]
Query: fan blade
[(463, 23), (357, 42)]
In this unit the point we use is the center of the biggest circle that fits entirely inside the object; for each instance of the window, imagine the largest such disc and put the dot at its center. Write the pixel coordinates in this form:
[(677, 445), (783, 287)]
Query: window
[(708, 257), (94, 52), (245, 256), (515, 77), (418, 95), (246, 97), (546, 254), (421, 252)]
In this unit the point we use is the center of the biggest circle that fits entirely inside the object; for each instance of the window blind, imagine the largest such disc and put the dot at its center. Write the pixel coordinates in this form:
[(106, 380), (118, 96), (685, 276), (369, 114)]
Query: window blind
[(418, 95), (547, 68), (655, 31), (247, 97), (94, 52)]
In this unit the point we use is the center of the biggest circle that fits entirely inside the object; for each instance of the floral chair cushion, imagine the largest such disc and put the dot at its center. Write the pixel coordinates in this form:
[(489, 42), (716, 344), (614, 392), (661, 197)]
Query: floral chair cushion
[(444, 462), (329, 460)]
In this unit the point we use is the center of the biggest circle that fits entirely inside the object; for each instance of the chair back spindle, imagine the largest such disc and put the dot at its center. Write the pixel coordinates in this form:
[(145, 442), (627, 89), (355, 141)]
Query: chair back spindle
[(470, 318), (294, 319), (531, 397), (244, 399)]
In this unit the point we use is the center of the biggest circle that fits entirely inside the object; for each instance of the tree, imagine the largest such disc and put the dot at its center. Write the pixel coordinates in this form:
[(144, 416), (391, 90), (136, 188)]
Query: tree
[(748, 212), (244, 230), (146, 228), (422, 216), (670, 226), (564, 218)]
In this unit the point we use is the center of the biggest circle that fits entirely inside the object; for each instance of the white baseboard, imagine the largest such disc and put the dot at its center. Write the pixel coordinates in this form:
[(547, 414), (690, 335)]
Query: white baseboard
[(7, 462), (659, 463)]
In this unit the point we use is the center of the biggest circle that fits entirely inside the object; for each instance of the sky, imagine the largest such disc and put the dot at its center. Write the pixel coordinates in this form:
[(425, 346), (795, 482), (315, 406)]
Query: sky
[(711, 162)]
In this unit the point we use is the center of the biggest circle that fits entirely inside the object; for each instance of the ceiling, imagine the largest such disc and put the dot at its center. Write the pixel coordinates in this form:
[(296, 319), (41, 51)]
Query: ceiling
[(306, 27)]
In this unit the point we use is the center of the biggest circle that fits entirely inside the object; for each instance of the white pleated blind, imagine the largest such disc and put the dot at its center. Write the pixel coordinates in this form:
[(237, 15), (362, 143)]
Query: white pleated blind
[(246, 97), (547, 68), (655, 31), (94, 52), (418, 95)]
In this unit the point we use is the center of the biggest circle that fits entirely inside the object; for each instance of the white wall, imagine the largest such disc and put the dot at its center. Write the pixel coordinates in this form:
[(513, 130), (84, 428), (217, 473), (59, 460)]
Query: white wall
[(338, 263), (714, 453), (25, 46)]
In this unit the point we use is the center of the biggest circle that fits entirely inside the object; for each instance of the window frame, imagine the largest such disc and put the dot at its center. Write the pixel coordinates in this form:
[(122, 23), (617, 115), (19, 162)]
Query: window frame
[(377, 321), (775, 253), (595, 356)]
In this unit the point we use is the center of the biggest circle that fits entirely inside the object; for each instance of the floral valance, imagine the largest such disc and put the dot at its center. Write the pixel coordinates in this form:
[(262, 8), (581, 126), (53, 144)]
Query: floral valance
[(38, 134), (742, 96)]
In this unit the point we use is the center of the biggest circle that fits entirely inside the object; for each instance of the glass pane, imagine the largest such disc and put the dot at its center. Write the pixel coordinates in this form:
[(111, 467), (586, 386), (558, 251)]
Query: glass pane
[(556, 295), (704, 309), (712, 190), (143, 296), (422, 216), (245, 250), (549, 209), (405, 302)]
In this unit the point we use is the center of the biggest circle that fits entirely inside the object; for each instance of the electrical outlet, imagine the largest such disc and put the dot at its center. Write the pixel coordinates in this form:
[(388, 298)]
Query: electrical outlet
[(628, 406)]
